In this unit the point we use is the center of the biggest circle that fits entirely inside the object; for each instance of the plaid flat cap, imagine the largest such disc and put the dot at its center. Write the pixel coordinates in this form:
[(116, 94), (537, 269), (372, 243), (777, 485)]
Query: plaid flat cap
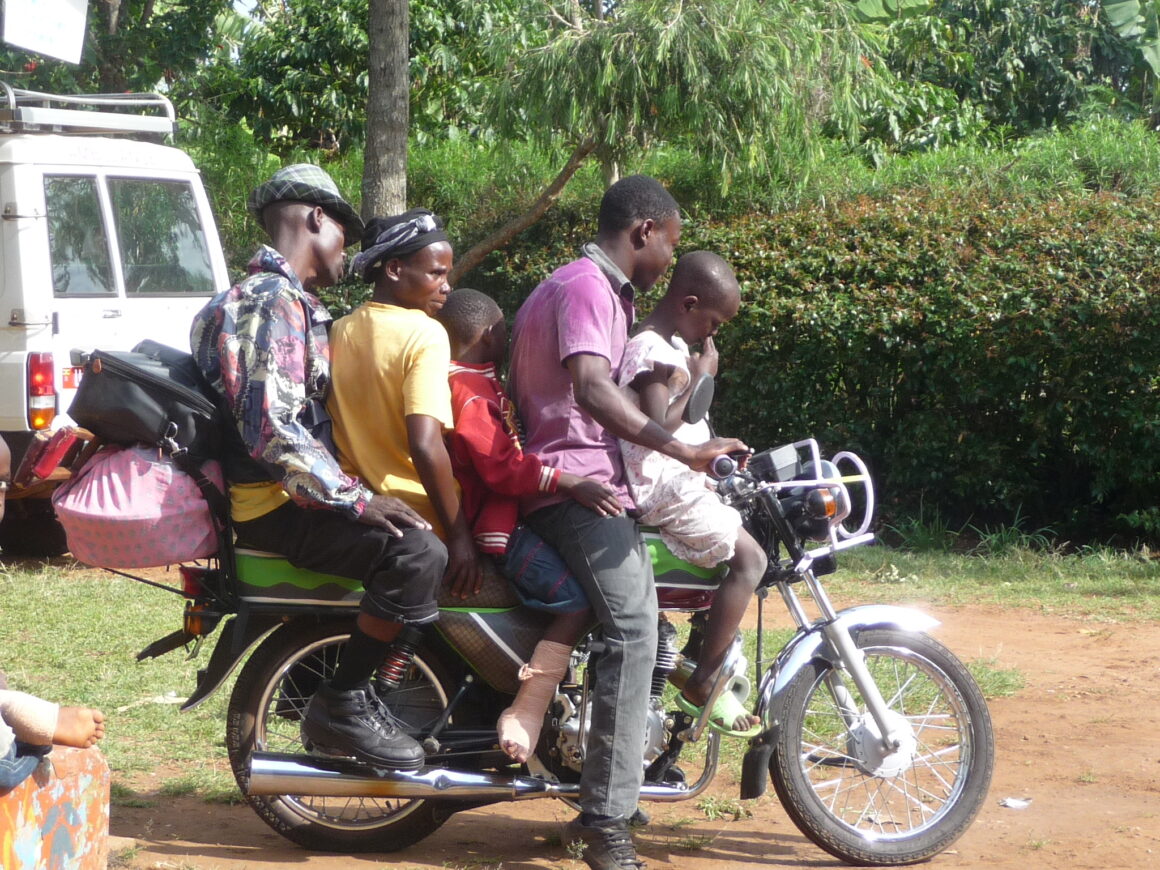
[(305, 182)]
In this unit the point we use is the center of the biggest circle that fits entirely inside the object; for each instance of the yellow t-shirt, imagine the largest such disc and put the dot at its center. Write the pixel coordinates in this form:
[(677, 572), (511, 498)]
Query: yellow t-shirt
[(387, 363)]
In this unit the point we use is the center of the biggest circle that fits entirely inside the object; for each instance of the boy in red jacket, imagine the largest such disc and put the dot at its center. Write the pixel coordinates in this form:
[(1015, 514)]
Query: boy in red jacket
[(494, 473)]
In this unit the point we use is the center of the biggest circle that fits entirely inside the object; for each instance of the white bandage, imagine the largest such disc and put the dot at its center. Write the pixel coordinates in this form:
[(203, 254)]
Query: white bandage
[(31, 719)]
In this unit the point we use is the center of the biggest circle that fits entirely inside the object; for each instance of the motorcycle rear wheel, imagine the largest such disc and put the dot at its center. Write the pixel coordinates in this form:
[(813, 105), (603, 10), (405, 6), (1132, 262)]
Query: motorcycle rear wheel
[(868, 810), (264, 713)]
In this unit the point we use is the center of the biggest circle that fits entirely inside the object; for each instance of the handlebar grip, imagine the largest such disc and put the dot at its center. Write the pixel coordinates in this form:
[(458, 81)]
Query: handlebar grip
[(722, 467)]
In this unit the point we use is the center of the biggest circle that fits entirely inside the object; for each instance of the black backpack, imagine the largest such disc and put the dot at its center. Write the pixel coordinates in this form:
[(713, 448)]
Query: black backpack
[(155, 395)]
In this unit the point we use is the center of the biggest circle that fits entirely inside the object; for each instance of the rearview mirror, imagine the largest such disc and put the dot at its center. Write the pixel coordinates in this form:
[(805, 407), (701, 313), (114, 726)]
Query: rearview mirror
[(700, 398)]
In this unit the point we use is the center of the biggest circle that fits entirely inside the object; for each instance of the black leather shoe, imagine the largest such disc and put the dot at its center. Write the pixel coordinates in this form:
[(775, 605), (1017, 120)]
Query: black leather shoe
[(607, 846), (355, 723)]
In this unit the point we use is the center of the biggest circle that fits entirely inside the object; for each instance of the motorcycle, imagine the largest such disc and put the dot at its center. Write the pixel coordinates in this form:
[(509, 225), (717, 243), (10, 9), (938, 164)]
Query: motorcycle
[(876, 738)]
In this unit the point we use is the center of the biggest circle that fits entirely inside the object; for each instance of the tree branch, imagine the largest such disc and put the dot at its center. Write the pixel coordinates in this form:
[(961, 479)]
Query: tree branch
[(518, 224)]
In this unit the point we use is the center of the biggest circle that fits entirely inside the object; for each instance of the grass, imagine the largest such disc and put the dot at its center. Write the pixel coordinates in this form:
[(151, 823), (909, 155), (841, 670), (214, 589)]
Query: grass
[(72, 634), (1097, 583)]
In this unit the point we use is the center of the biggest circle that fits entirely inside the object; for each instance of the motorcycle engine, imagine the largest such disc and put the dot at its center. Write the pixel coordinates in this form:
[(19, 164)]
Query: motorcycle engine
[(565, 751), (560, 751)]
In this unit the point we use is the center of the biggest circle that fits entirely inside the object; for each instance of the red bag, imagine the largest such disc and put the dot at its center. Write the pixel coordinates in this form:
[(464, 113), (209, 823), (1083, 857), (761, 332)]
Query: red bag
[(133, 508)]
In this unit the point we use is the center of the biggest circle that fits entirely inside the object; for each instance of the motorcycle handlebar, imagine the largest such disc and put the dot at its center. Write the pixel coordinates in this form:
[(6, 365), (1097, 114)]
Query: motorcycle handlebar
[(727, 464)]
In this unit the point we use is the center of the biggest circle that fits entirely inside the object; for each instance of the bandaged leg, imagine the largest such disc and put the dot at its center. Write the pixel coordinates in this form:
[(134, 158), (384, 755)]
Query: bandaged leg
[(519, 725), (43, 723)]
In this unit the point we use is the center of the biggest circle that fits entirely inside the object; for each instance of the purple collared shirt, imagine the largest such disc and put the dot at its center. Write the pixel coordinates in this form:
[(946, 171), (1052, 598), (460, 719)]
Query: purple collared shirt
[(575, 310)]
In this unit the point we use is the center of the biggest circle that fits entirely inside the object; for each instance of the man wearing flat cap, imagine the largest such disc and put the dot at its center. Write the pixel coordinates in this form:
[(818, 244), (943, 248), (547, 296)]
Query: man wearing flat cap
[(263, 344)]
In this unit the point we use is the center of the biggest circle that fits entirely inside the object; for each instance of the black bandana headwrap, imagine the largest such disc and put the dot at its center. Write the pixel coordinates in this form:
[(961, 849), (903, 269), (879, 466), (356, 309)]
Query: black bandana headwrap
[(397, 236)]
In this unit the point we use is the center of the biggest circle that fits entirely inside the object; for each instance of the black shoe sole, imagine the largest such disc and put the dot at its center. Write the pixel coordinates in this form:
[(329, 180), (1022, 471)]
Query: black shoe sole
[(378, 763)]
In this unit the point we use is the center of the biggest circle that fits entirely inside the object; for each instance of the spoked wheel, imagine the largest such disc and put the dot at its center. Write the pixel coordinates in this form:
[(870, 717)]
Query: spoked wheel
[(860, 801), (265, 712)]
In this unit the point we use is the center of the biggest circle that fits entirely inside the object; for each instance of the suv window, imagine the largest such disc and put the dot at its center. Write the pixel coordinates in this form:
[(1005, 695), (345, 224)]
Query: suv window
[(77, 242), (163, 246)]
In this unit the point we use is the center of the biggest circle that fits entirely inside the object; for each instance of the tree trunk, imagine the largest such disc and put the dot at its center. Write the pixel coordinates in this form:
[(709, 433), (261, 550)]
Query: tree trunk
[(384, 183), (610, 169), (517, 225)]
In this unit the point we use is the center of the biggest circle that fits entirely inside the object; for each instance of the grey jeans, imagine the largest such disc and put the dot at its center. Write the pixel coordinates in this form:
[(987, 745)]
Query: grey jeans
[(609, 558)]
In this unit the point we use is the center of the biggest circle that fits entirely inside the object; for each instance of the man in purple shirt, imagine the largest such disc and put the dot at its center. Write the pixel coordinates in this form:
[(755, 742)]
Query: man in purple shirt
[(566, 349)]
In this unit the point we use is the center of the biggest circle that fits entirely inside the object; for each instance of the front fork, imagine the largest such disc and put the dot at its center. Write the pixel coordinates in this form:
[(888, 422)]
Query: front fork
[(847, 657), (832, 639)]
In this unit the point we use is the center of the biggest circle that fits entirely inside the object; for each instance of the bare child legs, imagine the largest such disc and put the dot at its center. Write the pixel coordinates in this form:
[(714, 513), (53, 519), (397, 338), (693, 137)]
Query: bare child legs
[(746, 569), (519, 725)]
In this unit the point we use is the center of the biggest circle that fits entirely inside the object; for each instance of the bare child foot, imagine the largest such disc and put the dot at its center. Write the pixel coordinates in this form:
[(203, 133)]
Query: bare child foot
[(81, 727), (518, 734)]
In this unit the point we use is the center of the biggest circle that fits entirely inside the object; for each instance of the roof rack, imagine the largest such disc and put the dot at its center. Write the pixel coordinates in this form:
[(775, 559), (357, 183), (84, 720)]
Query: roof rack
[(24, 111)]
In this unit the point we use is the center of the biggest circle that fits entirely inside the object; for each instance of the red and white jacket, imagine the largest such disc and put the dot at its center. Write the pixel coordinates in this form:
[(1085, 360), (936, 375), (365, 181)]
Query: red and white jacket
[(486, 456)]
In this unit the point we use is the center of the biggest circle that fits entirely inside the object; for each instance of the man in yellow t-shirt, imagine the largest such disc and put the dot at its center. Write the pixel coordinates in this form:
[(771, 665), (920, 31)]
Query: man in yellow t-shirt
[(390, 363), (390, 399)]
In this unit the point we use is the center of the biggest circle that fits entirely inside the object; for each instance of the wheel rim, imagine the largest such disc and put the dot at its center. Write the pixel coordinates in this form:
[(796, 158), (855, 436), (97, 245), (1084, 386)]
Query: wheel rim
[(417, 702), (892, 801)]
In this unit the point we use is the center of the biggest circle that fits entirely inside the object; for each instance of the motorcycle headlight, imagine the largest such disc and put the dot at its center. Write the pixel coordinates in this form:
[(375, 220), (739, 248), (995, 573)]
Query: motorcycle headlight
[(813, 510)]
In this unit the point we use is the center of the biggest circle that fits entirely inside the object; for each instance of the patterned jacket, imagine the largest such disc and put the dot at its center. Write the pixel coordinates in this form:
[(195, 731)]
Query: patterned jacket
[(263, 345)]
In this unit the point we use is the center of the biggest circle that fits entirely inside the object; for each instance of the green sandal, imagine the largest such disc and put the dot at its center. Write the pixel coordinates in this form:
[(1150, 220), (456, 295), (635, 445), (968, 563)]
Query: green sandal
[(727, 709)]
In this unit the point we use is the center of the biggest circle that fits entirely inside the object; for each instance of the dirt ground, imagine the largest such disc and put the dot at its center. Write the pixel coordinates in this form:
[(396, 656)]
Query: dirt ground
[(1081, 742)]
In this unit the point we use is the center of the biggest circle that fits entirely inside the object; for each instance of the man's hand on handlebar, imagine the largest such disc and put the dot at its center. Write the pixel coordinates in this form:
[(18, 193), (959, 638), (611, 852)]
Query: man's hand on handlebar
[(701, 456), (388, 512)]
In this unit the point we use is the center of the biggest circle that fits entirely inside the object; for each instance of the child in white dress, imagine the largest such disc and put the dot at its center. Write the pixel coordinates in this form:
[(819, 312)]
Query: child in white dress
[(657, 372)]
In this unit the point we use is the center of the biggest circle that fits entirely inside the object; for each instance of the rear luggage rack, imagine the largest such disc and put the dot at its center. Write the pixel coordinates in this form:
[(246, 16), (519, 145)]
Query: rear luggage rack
[(24, 111)]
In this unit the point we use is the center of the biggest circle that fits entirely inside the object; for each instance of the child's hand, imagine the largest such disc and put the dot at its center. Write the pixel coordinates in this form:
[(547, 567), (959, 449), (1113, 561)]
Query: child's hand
[(464, 575), (594, 495), (705, 361)]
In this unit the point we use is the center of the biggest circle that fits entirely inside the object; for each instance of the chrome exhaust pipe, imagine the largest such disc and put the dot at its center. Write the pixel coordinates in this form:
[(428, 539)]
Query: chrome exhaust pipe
[(280, 773), (275, 773)]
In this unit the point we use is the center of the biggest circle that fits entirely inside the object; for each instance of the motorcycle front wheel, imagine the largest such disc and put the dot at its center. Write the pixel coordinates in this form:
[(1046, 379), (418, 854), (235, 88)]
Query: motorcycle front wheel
[(852, 797), (265, 711)]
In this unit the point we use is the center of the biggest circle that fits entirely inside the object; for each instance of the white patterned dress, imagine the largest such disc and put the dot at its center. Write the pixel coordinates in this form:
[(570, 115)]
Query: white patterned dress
[(693, 522)]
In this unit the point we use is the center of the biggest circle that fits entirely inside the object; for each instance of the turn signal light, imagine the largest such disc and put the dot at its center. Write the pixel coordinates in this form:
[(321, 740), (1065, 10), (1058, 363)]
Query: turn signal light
[(199, 620), (821, 504), (41, 391)]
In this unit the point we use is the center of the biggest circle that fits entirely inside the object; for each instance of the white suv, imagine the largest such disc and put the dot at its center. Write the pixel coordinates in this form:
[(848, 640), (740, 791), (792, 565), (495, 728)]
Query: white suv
[(105, 240)]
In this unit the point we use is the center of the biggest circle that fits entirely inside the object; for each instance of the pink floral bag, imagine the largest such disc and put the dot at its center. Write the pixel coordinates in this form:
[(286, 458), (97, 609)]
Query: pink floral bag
[(130, 507)]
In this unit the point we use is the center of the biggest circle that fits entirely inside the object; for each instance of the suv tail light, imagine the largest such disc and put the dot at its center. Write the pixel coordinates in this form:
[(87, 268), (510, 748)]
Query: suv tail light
[(41, 391)]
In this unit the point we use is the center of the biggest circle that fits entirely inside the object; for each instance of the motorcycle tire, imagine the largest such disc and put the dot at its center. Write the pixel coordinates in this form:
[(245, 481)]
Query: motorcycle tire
[(860, 804), (265, 709)]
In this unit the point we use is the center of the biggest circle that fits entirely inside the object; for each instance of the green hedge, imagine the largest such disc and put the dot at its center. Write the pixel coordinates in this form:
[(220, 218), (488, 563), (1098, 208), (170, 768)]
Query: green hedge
[(996, 358)]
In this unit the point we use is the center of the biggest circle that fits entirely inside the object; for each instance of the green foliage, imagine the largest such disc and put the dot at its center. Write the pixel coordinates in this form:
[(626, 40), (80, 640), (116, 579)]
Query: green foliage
[(1005, 539), (1026, 64), (878, 11), (984, 353), (300, 74), (1139, 24), (924, 531), (731, 76), (130, 45)]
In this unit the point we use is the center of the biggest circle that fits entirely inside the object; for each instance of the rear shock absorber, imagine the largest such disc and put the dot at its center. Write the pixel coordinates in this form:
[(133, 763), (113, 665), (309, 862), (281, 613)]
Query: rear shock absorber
[(398, 658), (667, 656)]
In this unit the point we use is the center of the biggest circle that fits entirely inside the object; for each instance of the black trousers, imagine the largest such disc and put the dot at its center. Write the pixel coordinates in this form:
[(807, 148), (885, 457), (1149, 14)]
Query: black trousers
[(401, 576)]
